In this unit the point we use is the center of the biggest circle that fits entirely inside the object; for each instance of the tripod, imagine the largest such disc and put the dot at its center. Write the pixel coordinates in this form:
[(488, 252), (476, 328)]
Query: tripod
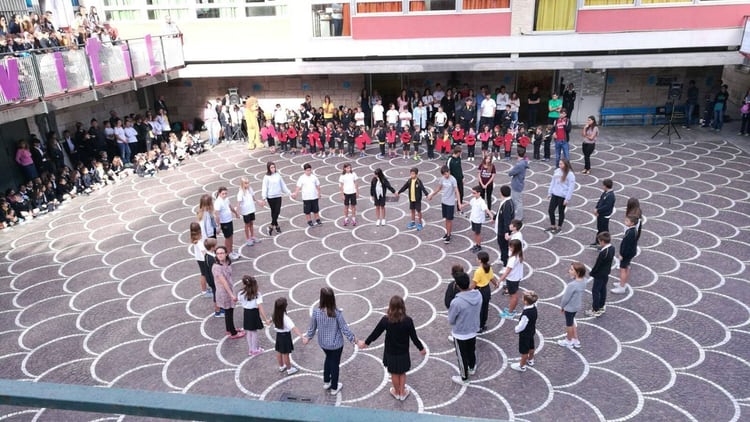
[(669, 114), (237, 134)]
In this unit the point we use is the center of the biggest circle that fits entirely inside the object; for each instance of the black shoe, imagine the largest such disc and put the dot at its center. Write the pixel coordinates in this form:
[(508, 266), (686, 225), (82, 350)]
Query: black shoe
[(310, 223), (444, 236), (447, 239), (278, 230), (270, 230), (593, 245)]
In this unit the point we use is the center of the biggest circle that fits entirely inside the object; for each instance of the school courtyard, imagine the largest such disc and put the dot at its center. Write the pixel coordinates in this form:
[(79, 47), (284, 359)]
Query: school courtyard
[(104, 292)]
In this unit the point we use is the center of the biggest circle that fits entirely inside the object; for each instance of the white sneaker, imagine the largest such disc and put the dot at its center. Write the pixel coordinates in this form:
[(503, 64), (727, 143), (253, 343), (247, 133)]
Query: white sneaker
[(292, 371), (450, 338), (576, 344), (337, 390), (282, 368), (530, 363), (518, 367), (382, 222), (458, 380), (472, 371), (326, 385), (619, 290), (565, 343)]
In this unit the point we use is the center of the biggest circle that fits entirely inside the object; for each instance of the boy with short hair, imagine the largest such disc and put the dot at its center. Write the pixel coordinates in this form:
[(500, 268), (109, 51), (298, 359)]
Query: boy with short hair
[(309, 185), (478, 211), (449, 187), (604, 209), (628, 249), (600, 273), (416, 189)]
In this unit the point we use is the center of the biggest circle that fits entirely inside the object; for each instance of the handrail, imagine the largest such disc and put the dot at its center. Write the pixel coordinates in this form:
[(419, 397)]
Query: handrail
[(191, 406), (33, 75)]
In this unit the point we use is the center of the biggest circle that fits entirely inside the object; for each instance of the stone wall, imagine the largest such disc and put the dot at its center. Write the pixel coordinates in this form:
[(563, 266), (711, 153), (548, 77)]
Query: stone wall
[(123, 104), (638, 87), (738, 80)]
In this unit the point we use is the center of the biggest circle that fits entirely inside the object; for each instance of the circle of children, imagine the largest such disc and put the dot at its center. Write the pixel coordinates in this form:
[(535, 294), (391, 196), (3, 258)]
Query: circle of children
[(467, 296)]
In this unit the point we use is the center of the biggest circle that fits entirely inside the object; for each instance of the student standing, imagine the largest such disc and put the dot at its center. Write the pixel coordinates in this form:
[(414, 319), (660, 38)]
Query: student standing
[(600, 273), (628, 250), (272, 190), (399, 328), (348, 186), (505, 214), (526, 329), (252, 302), (560, 191), (512, 276), (463, 316), (378, 188), (605, 206), (246, 207), (416, 189), (225, 297), (478, 211), (562, 137), (590, 133), (224, 210), (487, 174), (454, 164), (332, 327), (483, 276), (517, 182), (284, 327), (449, 187), (199, 252), (571, 303), (309, 185)]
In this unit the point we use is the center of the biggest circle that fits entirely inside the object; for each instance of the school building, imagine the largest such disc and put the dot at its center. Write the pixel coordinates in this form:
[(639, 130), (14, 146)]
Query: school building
[(617, 53)]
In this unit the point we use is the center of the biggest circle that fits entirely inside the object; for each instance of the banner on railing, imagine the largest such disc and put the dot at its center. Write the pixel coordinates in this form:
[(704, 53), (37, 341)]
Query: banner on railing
[(44, 74)]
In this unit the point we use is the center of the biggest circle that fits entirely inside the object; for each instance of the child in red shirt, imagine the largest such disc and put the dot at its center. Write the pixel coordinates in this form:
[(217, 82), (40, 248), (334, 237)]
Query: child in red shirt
[(390, 138), (291, 135), (522, 142), (508, 140), (497, 142), (314, 139), (283, 138), (458, 136), (268, 134), (471, 140), (406, 141), (484, 138)]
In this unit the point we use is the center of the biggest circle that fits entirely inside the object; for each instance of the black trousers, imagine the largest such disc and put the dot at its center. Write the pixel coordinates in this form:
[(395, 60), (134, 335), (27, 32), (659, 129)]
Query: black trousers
[(599, 293), (602, 225), (466, 352), (588, 149), (275, 205), (484, 311), (486, 194), (229, 320), (556, 203), (502, 244), (331, 366)]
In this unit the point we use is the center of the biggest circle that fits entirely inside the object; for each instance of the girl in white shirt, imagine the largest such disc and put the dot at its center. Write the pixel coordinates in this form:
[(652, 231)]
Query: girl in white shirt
[(512, 276), (252, 302), (246, 205), (271, 192), (284, 327), (199, 252), (348, 187)]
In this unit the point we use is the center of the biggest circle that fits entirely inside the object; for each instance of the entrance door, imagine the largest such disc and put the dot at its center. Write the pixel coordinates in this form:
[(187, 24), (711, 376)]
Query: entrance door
[(590, 98), (544, 80), (388, 85)]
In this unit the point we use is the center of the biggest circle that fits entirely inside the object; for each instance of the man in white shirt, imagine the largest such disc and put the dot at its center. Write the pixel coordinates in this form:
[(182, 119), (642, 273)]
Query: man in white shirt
[(377, 113), (487, 111), (309, 185), (501, 100)]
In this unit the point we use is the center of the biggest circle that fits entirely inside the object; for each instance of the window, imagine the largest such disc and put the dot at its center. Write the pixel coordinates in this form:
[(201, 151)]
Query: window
[(608, 2), (486, 4), (431, 5), (369, 6), (186, 10)]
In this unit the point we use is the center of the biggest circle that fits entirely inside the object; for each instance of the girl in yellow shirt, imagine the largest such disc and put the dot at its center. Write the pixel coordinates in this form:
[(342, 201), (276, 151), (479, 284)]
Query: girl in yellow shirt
[(483, 276)]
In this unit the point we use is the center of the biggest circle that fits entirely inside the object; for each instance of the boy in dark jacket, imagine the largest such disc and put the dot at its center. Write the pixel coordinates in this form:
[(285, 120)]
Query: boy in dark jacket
[(600, 273), (604, 209)]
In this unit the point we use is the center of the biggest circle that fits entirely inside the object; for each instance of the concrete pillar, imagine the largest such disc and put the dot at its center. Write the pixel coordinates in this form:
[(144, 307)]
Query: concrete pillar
[(522, 17)]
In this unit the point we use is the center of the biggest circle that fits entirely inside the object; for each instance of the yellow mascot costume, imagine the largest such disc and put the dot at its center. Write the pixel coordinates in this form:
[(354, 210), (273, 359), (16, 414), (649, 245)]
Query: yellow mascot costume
[(251, 120)]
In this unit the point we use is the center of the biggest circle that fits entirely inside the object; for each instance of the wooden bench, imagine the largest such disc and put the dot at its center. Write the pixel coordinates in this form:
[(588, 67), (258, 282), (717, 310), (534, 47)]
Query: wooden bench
[(627, 115)]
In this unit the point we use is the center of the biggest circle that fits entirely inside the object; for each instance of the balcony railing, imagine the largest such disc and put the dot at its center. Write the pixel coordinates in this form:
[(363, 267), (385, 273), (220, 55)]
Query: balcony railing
[(35, 75)]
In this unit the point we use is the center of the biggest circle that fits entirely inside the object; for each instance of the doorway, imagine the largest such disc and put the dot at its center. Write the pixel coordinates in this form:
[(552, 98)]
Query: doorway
[(527, 79), (388, 85), (10, 134)]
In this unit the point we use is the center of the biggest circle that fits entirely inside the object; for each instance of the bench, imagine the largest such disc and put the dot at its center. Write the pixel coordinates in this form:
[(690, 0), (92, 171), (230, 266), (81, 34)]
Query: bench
[(627, 115)]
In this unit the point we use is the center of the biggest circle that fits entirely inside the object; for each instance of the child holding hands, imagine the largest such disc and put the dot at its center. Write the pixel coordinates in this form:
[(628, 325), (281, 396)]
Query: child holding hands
[(252, 303), (284, 327)]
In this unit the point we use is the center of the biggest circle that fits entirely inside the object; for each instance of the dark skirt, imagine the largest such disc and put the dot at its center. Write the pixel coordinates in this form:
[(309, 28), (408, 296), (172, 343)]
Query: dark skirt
[(397, 364), (252, 320), (284, 343)]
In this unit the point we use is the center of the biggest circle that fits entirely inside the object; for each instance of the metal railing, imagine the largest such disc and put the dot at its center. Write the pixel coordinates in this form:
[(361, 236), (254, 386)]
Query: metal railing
[(45, 73), (191, 406)]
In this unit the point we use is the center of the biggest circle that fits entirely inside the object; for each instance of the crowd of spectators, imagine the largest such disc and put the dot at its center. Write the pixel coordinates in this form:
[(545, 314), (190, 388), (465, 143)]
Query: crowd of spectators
[(83, 160), (20, 34)]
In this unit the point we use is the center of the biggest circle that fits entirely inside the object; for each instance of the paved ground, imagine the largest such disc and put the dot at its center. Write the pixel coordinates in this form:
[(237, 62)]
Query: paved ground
[(104, 291)]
